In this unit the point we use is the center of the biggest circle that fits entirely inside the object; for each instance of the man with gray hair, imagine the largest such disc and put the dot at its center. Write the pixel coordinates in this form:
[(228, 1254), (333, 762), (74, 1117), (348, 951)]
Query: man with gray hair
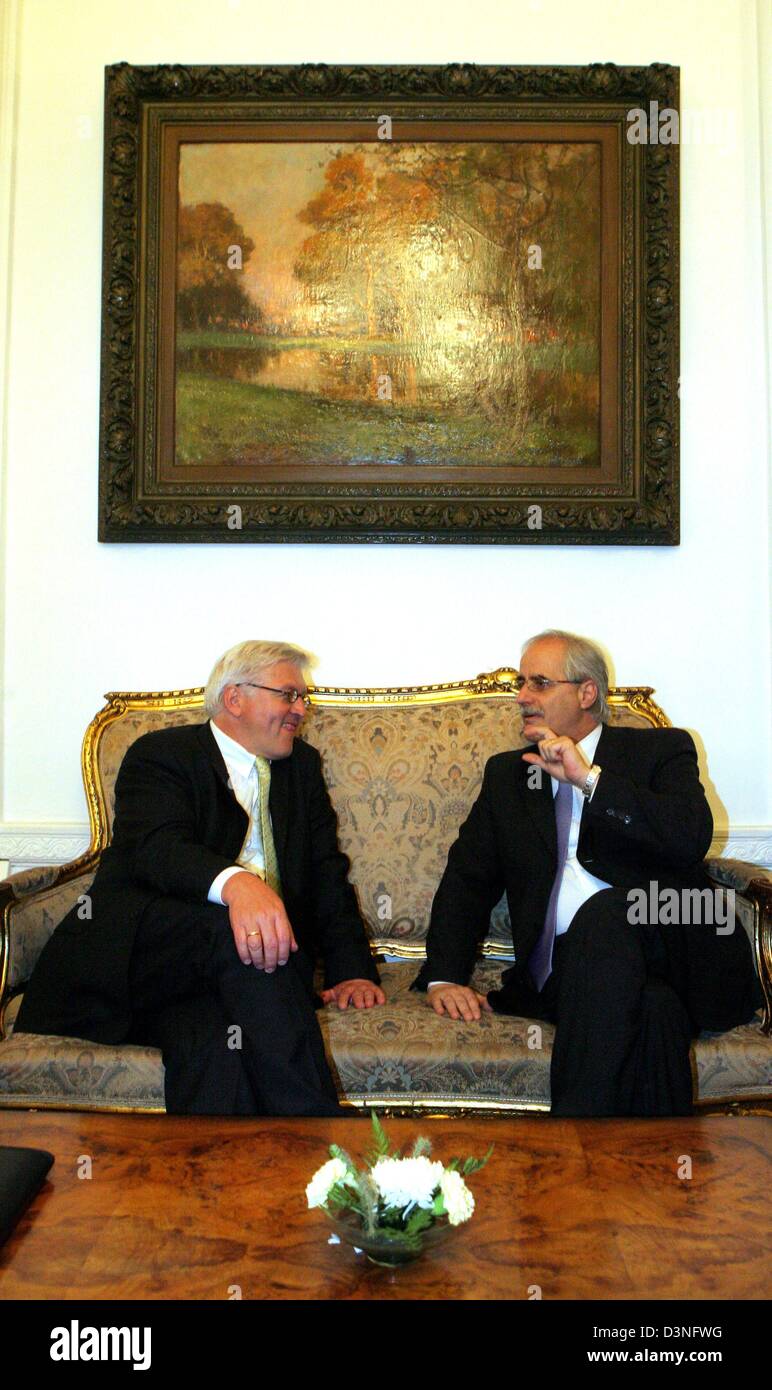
[(573, 827), (223, 884)]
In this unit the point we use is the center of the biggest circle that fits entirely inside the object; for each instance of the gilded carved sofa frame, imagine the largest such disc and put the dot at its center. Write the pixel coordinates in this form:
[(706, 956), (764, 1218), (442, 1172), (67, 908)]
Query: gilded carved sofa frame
[(751, 884)]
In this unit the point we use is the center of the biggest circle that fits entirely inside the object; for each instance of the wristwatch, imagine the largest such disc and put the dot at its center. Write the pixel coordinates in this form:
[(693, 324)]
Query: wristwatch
[(591, 782)]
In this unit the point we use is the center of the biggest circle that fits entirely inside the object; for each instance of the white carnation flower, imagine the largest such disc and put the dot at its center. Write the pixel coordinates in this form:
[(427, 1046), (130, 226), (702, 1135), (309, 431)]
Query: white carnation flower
[(458, 1200), (404, 1182), (318, 1190)]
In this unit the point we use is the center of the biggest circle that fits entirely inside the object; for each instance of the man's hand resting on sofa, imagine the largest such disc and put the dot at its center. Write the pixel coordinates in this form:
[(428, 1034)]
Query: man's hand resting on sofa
[(261, 928), (363, 994), (457, 1001)]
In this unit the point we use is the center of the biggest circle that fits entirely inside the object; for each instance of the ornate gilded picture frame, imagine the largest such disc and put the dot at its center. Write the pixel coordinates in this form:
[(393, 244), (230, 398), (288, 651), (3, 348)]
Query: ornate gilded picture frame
[(431, 304)]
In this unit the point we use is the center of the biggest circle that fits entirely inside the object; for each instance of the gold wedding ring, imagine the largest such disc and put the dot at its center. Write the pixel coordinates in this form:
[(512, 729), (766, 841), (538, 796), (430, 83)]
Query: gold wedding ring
[(253, 933)]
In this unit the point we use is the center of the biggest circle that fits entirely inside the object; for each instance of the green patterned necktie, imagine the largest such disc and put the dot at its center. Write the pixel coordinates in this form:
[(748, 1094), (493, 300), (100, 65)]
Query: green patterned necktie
[(272, 877)]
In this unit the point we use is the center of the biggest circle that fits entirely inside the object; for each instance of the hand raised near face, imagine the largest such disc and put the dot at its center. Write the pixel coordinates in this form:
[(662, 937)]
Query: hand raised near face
[(559, 756)]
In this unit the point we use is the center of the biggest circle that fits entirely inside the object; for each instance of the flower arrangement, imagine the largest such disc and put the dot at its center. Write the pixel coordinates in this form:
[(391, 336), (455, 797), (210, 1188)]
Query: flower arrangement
[(389, 1207)]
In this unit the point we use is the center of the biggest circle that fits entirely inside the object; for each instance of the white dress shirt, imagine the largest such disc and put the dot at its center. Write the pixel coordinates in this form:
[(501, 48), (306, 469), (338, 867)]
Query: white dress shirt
[(244, 784), (577, 885)]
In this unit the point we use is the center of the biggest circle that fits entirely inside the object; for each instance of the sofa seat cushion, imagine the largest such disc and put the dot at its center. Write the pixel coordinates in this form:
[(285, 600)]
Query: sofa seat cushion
[(402, 1053), (72, 1074), (736, 1065), (399, 1054)]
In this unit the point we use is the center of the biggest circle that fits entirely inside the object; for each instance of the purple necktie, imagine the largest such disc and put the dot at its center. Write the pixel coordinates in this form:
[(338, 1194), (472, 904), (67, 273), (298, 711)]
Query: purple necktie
[(540, 959)]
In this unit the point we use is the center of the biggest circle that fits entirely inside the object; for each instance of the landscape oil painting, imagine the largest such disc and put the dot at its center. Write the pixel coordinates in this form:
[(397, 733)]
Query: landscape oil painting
[(418, 304), (360, 304)]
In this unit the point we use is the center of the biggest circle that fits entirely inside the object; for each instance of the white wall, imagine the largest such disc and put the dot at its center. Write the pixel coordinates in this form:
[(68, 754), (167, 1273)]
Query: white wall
[(81, 618)]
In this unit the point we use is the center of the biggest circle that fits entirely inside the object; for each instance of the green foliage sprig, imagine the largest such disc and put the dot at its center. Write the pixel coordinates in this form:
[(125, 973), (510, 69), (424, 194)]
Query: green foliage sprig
[(397, 1197)]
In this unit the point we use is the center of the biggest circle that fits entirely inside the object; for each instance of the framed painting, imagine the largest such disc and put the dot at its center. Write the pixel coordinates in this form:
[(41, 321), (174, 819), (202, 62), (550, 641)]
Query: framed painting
[(390, 304)]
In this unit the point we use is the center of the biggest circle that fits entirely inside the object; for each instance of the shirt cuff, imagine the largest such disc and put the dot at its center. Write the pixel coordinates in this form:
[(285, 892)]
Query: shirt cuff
[(215, 892)]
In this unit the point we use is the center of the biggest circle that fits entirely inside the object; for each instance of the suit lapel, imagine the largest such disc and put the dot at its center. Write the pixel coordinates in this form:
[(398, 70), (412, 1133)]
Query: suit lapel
[(237, 818), (538, 802), (607, 746), (278, 805), (607, 754), (211, 749)]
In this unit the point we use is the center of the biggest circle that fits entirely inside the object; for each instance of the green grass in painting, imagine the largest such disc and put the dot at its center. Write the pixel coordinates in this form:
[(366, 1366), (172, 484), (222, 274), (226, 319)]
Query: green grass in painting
[(220, 421)]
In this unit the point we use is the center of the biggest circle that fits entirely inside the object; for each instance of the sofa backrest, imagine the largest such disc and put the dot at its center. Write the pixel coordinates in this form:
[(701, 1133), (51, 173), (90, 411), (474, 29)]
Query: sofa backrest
[(403, 767)]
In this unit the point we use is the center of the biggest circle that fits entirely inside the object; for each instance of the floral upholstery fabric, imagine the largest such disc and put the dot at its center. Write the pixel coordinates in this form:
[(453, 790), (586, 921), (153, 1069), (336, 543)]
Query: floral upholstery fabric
[(400, 1053), (68, 1073), (119, 735), (402, 778), (34, 919), (736, 873), (736, 1065)]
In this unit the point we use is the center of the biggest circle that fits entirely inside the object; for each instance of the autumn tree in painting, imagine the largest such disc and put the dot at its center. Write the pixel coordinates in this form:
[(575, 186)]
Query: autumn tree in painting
[(359, 227), (431, 245), (209, 289)]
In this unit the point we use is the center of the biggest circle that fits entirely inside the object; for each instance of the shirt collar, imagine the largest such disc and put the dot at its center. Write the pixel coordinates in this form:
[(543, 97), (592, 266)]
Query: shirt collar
[(590, 743), (238, 758)]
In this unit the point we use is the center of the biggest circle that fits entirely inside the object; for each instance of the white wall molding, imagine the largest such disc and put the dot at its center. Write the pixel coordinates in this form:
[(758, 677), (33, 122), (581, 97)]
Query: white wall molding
[(750, 842), (23, 844)]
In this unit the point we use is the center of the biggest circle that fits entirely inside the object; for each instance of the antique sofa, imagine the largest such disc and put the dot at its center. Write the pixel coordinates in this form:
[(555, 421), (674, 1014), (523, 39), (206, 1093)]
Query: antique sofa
[(403, 767)]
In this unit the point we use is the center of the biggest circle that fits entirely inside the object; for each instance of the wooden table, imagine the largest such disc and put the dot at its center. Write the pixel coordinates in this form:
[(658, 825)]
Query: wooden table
[(198, 1208)]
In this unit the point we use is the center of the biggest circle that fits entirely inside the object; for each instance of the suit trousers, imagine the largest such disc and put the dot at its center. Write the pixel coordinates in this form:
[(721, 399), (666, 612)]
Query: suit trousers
[(623, 1035), (235, 1040)]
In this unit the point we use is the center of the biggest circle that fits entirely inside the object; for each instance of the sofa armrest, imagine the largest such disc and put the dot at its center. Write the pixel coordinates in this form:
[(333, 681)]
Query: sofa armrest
[(736, 873), (32, 904), (752, 886)]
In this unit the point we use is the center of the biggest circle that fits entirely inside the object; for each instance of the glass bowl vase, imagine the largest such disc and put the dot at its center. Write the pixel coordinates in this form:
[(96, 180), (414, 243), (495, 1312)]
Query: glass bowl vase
[(385, 1246)]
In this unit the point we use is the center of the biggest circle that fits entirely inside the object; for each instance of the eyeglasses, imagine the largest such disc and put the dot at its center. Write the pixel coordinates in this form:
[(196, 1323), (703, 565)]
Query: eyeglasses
[(288, 696), (537, 683)]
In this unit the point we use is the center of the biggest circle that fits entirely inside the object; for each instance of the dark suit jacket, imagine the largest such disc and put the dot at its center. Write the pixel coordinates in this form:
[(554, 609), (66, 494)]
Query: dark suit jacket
[(177, 825), (648, 820)]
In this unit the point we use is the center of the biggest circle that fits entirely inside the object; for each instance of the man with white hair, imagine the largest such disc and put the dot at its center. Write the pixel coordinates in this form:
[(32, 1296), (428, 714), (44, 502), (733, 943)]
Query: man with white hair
[(222, 885), (573, 827)]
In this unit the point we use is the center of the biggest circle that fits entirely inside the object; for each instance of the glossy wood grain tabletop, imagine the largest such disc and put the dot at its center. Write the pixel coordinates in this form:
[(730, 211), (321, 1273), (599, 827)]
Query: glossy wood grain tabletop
[(180, 1208)]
